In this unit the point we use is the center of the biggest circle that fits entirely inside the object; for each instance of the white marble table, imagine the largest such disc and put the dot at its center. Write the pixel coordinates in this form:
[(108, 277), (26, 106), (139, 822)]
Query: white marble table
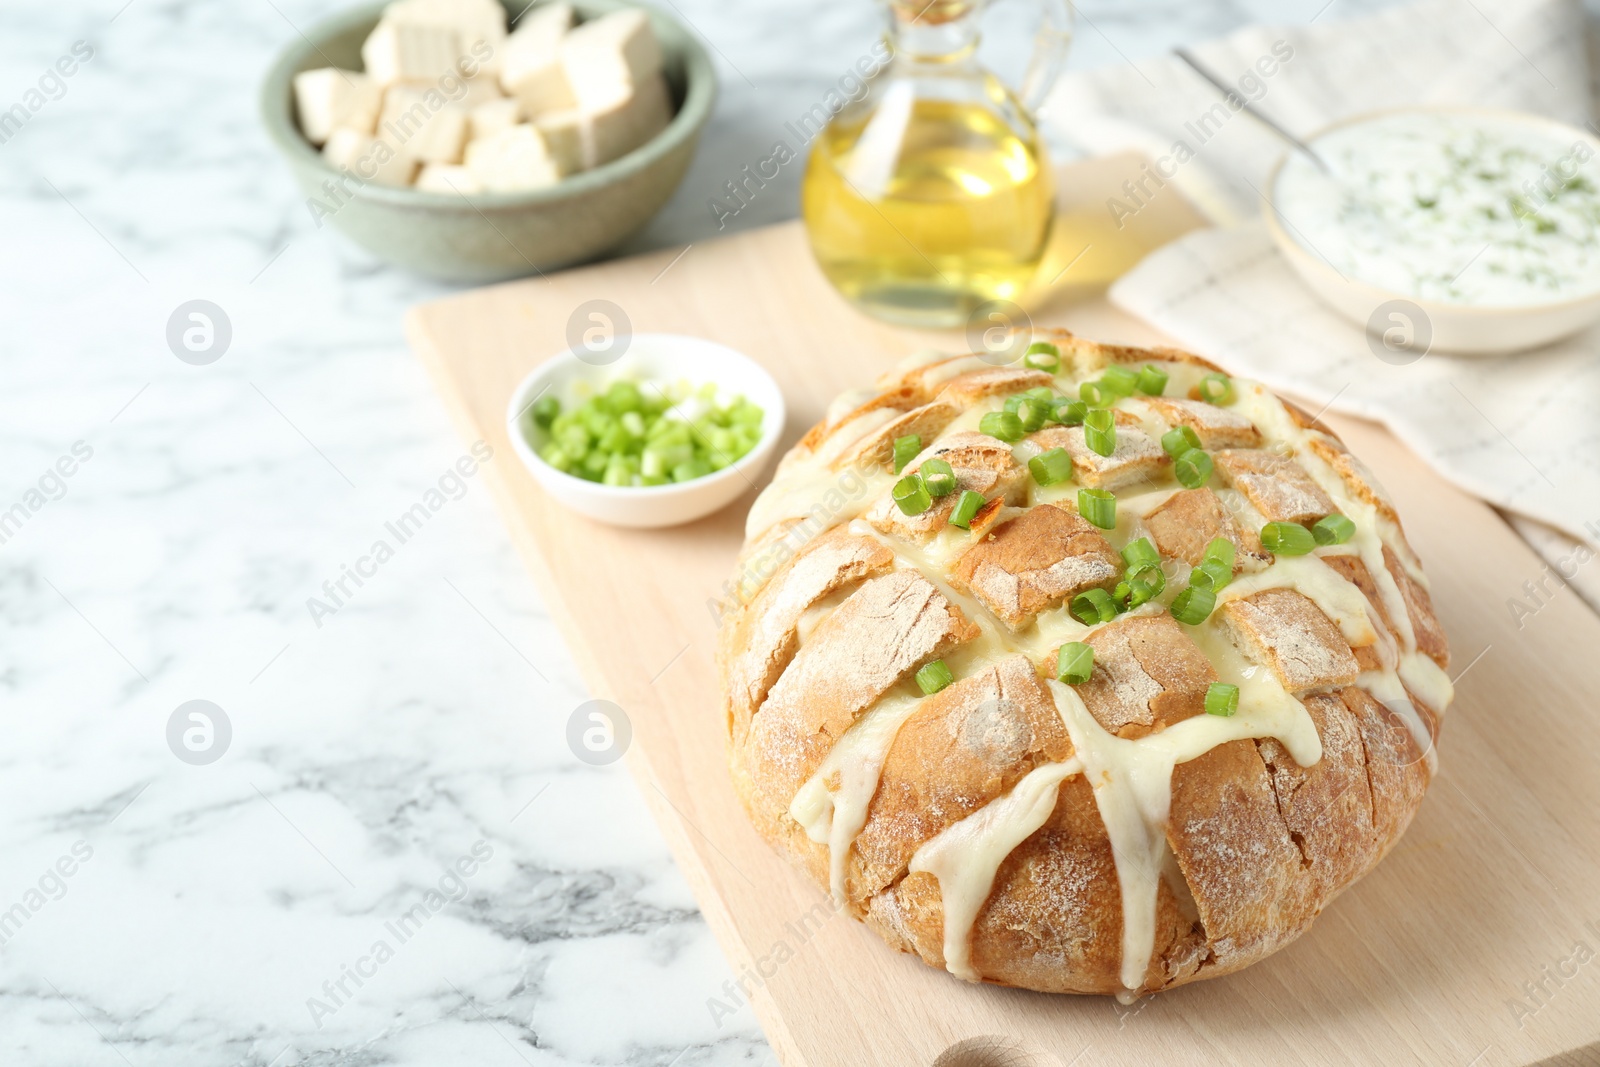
[(157, 912)]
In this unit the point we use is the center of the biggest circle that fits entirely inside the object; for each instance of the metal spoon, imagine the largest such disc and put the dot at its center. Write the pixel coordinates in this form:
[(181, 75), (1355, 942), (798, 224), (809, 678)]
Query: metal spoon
[(1228, 90)]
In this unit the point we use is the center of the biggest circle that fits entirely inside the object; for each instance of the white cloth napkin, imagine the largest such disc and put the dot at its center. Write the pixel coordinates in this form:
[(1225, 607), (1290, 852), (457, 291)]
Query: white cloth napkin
[(1521, 432)]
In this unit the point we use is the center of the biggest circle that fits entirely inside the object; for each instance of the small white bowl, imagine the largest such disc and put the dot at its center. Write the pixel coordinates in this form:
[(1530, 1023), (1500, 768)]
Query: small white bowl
[(661, 357), (1456, 328)]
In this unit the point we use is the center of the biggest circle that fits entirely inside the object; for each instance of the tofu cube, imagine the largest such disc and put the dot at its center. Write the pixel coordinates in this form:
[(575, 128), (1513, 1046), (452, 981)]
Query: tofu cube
[(623, 124), (490, 118), (513, 160), (479, 26), (606, 56), (586, 137), (369, 158), (423, 124), (408, 51), (329, 98), (531, 68), (450, 179)]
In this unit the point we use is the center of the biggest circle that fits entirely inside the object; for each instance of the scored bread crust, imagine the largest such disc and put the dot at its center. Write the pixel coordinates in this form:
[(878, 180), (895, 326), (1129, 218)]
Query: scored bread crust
[(834, 608)]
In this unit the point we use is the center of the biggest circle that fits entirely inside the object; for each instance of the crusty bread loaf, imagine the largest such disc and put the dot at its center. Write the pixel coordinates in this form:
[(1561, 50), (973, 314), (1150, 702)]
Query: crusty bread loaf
[(1109, 836)]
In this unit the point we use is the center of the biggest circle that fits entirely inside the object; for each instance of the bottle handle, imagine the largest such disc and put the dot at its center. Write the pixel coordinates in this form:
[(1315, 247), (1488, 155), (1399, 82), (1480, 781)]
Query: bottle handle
[(1050, 44)]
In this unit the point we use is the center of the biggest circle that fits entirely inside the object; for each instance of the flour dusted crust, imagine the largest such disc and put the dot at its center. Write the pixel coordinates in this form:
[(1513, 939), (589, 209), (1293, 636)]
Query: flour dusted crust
[(1108, 837)]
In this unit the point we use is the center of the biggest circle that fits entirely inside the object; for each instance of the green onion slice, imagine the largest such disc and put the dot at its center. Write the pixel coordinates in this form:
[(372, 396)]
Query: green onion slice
[(1216, 389), (912, 495), (1152, 380), (1222, 699), (1179, 440), (1336, 529), (1194, 605), (1074, 663), (1093, 606), (934, 677), (1003, 425), (1213, 574), (1120, 380), (1032, 413), (1141, 585), (1140, 553), (1051, 467), (1099, 507), (1100, 431), (905, 450), (1096, 394), (545, 410), (1042, 355), (968, 504), (1287, 539), (938, 477), (1221, 549), (1069, 412), (1192, 468)]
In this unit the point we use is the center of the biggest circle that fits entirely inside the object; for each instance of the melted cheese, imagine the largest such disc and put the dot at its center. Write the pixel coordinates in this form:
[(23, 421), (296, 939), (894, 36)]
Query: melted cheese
[(966, 855), (1132, 783), (832, 805), (811, 490)]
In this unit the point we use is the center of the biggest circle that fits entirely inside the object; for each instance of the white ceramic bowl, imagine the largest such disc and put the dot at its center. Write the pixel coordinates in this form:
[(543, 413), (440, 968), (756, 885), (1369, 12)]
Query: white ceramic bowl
[(1458, 328), (660, 357)]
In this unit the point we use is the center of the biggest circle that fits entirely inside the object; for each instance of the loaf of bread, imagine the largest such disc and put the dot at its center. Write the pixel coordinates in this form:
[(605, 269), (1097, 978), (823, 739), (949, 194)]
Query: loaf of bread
[(902, 724)]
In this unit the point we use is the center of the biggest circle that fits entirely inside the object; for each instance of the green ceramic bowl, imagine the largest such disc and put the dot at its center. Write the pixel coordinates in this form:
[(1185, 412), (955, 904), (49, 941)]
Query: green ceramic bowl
[(491, 236)]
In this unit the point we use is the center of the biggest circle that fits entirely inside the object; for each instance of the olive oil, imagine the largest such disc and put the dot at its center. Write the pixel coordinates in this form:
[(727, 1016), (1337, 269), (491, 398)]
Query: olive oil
[(922, 210)]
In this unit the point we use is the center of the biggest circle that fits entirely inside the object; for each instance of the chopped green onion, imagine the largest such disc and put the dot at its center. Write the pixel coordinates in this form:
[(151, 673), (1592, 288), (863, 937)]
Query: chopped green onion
[(1336, 529), (1074, 663), (1216, 389), (1040, 392), (1032, 413), (545, 410), (968, 504), (1213, 574), (1221, 549), (1097, 394), (691, 469), (1093, 606), (1152, 380), (1099, 507), (938, 477), (1013, 403), (1120, 380), (1141, 585), (1069, 412), (1222, 699), (1140, 553), (905, 450), (627, 435), (1100, 431), (1192, 468), (1178, 440), (934, 677), (1051, 467), (912, 495), (1042, 355), (1287, 539), (1002, 424), (1194, 605)]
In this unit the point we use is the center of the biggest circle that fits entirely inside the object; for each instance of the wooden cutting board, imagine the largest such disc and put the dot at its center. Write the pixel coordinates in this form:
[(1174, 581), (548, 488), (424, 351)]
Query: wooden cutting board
[(1473, 943)]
